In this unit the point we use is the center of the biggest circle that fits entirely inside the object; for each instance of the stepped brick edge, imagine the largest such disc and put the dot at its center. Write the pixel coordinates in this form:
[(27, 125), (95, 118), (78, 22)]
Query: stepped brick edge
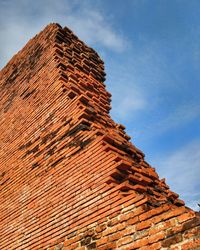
[(69, 176)]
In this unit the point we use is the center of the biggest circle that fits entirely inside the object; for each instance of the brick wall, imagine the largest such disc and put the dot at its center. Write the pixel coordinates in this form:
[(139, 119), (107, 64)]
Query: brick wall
[(69, 176)]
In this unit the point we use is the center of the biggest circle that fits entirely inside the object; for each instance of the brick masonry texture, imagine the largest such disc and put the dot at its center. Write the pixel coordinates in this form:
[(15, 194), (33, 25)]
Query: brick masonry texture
[(69, 176)]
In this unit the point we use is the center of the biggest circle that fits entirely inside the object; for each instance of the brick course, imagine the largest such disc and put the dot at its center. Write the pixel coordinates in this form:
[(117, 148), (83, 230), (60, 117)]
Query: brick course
[(69, 176)]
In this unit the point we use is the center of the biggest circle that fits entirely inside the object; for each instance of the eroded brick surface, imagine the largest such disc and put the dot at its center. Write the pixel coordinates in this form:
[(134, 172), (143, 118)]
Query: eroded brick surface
[(69, 177)]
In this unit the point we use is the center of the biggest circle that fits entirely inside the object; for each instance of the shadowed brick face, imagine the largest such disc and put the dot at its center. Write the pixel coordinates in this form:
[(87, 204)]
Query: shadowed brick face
[(69, 177)]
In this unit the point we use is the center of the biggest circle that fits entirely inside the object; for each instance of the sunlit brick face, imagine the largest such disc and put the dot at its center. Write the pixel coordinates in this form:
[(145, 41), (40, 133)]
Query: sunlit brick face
[(69, 176)]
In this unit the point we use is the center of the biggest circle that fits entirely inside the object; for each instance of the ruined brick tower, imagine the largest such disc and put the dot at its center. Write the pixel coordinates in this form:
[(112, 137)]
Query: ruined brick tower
[(69, 177)]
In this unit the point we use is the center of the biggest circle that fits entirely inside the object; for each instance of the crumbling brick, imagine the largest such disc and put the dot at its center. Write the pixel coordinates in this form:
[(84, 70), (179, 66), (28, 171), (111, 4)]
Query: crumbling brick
[(69, 176)]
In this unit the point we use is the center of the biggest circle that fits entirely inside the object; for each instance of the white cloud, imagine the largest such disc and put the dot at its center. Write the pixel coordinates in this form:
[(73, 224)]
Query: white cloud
[(182, 172), (92, 27), (128, 99), (133, 83), (148, 132), (181, 115), (12, 39), (137, 81), (20, 20)]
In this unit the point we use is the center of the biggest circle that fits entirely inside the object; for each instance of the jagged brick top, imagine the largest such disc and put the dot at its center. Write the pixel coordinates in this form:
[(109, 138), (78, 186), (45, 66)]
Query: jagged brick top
[(64, 163), (80, 73)]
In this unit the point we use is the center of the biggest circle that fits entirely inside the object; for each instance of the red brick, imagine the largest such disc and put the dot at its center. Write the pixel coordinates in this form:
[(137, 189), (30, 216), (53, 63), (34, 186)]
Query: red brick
[(102, 241), (133, 221), (143, 225), (124, 241), (156, 237), (115, 236), (138, 244), (60, 147), (185, 216), (172, 240)]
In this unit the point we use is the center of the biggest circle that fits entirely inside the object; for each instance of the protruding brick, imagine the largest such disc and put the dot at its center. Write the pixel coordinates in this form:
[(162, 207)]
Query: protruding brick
[(70, 179)]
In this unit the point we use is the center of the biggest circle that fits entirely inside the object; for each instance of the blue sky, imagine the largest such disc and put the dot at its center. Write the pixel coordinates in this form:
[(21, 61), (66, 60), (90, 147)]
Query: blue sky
[(151, 51)]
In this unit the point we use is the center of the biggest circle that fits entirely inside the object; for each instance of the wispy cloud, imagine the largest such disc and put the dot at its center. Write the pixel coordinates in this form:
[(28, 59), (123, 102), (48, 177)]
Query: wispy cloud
[(137, 80), (182, 171), (180, 116), (151, 85), (19, 22), (152, 82), (127, 101), (93, 27)]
